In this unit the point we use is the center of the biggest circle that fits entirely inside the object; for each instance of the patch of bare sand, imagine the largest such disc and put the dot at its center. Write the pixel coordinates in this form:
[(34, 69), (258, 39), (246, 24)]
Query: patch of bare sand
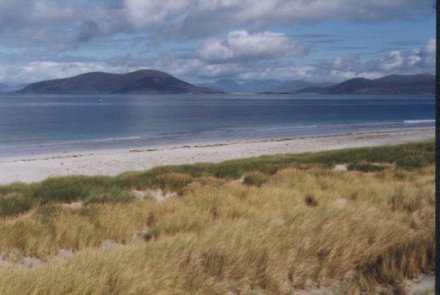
[(113, 162)]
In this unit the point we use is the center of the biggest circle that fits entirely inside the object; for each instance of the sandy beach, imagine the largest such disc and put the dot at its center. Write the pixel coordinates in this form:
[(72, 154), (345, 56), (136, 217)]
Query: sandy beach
[(112, 162)]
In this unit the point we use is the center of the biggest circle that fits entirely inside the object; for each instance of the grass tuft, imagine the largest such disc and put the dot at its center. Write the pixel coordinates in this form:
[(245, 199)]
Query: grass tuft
[(255, 178), (114, 195), (14, 203)]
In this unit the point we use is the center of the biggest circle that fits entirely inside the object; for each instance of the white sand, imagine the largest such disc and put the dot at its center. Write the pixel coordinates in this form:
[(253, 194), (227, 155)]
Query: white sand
[(112, 162)]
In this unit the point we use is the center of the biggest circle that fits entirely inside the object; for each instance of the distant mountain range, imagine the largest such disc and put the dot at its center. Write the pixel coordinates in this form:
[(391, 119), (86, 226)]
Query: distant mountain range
[(257, 86), (393, 84), (142, 81), (151, 81)]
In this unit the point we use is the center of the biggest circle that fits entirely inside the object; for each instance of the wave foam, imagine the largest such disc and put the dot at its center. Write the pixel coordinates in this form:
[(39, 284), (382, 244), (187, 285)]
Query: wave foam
[(418, 121)]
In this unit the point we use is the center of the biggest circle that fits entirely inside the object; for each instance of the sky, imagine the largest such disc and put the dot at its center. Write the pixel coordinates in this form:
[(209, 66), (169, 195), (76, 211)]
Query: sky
[(201, 41)]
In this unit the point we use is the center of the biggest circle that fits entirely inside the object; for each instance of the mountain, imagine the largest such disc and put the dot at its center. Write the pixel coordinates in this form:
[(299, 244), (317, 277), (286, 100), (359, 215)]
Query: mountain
[(292, 86), (230, 85), (223, 84), (142, 81), (393, 84), (258, 86)]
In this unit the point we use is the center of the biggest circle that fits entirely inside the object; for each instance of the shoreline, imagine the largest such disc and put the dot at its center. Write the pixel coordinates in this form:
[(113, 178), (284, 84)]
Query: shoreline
[(32, 168)]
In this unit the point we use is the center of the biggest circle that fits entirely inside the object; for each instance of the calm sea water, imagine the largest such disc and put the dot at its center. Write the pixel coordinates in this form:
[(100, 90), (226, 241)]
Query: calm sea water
[(65, 123)]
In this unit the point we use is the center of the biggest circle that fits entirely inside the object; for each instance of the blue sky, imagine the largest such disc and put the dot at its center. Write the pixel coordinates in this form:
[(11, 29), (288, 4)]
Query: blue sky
[(205, 40)]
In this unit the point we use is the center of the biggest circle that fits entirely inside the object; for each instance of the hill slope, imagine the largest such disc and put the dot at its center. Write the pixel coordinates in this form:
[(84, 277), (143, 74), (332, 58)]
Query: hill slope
[(142, 81), (393, 84)]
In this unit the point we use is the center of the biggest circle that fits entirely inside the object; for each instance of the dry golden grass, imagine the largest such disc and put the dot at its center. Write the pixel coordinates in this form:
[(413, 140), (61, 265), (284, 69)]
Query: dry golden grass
[(297, 229)]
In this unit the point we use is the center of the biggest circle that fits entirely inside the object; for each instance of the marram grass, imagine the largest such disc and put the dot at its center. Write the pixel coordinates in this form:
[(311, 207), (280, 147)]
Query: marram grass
[(268, 225)]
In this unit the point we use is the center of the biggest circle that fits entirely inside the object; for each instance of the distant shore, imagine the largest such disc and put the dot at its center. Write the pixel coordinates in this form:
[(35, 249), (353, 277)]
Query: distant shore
[(112, 162)]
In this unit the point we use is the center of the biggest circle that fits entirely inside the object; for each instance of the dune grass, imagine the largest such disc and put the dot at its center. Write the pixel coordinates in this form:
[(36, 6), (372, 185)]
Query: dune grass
[(267, 225)]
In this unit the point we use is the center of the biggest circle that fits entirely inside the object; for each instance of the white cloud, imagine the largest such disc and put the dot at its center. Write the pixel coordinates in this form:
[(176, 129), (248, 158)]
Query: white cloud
[(417, 60), (147, 12), (143, 13), (393, 60), (345, 62), (244, 46), (41, 33), (427, 54), (52, 21), (195, 69)]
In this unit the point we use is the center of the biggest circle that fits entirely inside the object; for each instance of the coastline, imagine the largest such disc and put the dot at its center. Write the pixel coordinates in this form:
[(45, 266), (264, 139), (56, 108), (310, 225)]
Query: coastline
[(112, 162)]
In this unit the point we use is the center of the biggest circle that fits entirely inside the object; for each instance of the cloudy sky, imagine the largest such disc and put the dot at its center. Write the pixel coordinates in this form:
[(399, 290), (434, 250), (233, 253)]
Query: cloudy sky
[(205, 40)]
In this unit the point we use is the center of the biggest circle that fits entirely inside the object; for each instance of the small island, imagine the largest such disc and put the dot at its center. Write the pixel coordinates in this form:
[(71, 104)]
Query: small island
[(142, 81), (392, 84)]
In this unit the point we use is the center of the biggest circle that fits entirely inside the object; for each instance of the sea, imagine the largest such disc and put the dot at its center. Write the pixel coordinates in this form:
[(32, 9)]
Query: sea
[(41, 124)]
